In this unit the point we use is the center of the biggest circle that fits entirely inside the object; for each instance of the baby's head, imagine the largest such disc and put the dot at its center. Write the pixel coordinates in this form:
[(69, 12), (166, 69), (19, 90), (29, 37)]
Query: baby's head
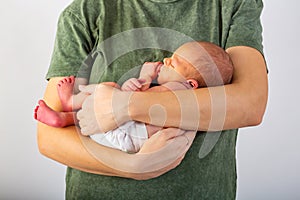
[(201, 64)]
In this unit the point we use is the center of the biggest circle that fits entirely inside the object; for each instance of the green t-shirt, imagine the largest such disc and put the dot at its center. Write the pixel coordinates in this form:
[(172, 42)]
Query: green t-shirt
[(108, 40)]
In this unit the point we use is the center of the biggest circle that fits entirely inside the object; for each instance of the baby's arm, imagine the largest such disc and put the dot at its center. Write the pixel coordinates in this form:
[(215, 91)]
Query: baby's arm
[(149, 72), (133, 84)]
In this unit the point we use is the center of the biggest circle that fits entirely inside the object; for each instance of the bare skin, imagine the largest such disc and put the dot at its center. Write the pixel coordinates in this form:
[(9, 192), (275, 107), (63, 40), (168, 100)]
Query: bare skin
[(173, 69), (65, 87), (46, 115), (70, 100), (249, 90), (70, 103), (65, 145), (65, 93)]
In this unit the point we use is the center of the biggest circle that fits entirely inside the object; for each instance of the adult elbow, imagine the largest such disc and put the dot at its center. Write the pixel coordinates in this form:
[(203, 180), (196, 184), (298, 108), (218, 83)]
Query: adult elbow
[(256, 119), (42, 142), (42, 146), (257, 105), (256, 114)]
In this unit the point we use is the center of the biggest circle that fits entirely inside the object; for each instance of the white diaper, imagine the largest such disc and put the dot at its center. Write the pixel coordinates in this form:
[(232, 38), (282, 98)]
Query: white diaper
[(129, 137)]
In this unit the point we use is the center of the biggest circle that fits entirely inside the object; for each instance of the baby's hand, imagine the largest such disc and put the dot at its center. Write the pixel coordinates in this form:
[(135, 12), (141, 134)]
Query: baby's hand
[(150, 70), (133, 84)]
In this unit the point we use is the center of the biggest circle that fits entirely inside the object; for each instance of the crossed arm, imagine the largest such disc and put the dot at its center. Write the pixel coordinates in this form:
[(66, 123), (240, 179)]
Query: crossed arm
[(245, 103), (69, 147), (235, 105), (244, 100)]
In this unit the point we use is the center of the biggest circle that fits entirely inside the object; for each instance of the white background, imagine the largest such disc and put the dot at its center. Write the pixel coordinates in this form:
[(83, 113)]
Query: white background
[(268, 155)]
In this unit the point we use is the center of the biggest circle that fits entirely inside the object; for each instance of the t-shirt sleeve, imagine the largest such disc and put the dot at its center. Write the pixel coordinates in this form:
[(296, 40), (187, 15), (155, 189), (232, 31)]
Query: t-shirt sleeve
[(246, 28), (73, 43)]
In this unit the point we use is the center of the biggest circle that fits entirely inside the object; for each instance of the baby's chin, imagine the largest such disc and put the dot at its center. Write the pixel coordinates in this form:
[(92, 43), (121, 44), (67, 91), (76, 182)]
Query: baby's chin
[(160, 81)]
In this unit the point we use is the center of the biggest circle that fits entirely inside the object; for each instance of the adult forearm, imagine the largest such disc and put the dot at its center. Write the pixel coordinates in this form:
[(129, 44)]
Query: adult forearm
[(69, 147), (186, 109), (207, 109), (236, 105), (65, 144)]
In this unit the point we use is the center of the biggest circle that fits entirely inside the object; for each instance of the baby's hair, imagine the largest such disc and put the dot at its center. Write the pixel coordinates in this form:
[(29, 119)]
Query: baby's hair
[(213, 64)]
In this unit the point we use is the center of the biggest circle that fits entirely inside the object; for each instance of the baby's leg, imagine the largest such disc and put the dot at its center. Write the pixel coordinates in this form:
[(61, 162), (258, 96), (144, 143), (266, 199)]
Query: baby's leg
[(151, 129), (46, 115), (69, 100)]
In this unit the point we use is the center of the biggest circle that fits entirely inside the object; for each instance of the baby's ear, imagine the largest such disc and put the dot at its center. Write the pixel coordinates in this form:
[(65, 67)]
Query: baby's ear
[(193, 83)]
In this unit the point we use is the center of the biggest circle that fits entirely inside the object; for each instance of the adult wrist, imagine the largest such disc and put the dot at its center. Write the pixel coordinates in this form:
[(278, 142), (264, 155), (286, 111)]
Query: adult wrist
[(136, 105), (121, 103)]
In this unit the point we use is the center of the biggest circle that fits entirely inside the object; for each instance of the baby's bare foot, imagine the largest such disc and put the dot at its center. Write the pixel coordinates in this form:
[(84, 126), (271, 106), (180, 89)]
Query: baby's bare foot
[(46, 115), (65, 92)]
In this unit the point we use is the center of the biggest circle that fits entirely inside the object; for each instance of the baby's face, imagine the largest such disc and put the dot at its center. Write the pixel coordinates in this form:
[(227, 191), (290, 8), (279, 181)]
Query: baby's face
[(176, 68), (171, 70)]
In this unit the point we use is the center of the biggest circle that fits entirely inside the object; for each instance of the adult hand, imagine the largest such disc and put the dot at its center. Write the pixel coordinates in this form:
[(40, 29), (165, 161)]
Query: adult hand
[(105, 109), (160, 153), (160, 139), (164, 151)]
